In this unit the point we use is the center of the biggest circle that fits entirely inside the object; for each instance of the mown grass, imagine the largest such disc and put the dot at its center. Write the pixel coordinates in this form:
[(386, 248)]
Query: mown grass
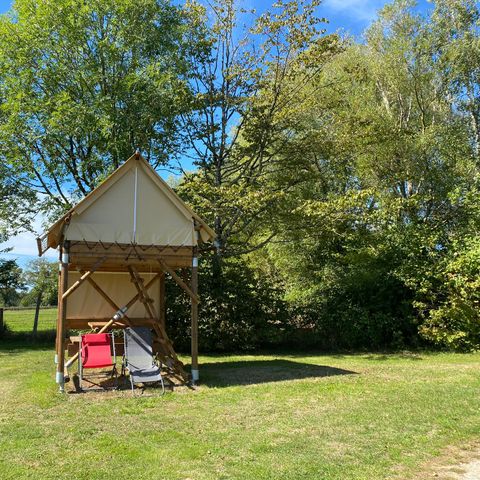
[(22, 320), (254, 417)]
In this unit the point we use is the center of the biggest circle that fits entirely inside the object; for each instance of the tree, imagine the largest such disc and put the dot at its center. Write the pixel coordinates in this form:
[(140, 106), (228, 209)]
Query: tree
[(242, 92), (252, 77), (381, 167), (17, 205), (10, 281), (83, 85), (456, 26), (42, 277)]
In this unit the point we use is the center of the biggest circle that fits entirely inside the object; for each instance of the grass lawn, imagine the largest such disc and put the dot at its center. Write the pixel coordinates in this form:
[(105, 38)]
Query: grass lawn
[(254, 417), (22, 320)]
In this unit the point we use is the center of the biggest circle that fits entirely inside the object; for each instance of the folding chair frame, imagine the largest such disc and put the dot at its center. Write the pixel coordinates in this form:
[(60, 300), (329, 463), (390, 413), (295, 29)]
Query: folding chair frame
[(125, 367), (113, 373)]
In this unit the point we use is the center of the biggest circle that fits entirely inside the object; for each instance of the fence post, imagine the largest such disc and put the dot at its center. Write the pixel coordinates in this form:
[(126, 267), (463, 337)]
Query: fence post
[(37, 311), (1, 321)]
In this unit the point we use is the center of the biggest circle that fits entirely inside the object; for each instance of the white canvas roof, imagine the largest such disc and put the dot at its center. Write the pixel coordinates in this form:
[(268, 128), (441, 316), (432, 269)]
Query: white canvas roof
[(133, 205)]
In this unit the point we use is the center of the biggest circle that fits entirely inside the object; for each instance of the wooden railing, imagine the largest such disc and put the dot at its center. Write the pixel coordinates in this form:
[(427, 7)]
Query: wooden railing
[(42, 244)]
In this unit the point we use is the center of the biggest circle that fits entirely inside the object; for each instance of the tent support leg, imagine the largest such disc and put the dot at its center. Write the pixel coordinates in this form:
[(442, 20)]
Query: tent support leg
[(194, 317), (62, 315)]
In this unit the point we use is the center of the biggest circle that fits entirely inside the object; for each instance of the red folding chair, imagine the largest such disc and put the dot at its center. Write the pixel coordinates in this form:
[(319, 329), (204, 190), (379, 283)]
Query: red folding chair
[(96, 351)]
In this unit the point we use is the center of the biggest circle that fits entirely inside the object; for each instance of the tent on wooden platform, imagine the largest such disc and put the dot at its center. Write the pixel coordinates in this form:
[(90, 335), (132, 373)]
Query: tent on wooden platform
[(116, 247)]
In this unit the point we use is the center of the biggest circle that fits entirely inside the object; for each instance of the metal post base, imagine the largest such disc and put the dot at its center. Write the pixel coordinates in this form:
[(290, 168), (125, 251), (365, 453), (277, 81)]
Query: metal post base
[(61, 381)]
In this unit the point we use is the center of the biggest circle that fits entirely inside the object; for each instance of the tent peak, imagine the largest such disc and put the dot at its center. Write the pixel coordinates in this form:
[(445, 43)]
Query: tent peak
[(88, 225)]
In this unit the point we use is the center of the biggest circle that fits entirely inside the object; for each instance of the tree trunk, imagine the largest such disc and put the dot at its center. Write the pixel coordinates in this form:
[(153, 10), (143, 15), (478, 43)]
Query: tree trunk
[(37, 312)]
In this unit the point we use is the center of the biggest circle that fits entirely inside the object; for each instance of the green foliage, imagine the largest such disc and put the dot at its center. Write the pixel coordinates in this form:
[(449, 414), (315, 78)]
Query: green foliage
[(342, 179), (10, 282), (17, 206), (42, 278), (239, 310), (453, 320), (254, 74), (379, 176), (83, 85)]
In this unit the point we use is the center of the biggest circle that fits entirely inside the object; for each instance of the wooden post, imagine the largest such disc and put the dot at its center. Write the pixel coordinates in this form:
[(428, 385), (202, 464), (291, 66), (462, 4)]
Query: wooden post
[(59, 300), (62, 315), (194, 319), (37, 312), (2, 326), (162, 306)]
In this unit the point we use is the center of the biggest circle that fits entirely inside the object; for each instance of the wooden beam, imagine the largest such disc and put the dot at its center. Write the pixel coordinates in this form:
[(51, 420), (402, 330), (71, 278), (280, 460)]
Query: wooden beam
[(125, 249), (179, 281), (59, 301), (162, 312), (169, 353), (104, 295), (96, 323), (121, 264), (113, 319), (142, 291), (147, 286), (84, 277)]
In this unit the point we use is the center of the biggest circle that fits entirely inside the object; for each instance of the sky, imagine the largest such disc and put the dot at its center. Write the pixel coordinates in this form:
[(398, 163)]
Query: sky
[(349, 16)]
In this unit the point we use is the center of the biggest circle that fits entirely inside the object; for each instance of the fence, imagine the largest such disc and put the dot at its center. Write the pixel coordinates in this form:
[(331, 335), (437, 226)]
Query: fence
[(32, 307), (21, 319)]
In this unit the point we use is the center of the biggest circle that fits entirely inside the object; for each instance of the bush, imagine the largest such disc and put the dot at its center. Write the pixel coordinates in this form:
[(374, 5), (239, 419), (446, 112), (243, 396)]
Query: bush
[(453, 319), (238, 310)]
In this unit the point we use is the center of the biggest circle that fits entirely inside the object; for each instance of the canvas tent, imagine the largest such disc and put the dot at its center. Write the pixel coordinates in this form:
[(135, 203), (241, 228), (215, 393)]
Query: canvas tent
[(115, 247)]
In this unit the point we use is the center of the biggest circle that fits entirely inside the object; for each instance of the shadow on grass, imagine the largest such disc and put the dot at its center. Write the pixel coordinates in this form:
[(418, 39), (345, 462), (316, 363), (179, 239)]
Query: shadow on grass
[(19, 342), (97, 384), (295, 354), (225, 374)]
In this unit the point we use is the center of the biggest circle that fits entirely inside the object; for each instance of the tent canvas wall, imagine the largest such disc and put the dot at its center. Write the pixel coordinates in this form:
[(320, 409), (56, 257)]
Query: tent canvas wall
[(116, 247)]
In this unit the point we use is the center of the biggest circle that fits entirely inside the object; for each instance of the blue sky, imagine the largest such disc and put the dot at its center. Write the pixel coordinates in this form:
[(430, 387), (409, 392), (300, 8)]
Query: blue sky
[(350, 16)]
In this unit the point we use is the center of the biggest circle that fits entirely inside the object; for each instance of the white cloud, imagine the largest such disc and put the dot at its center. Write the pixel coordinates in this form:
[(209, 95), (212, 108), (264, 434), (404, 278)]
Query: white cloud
[(361, 10)]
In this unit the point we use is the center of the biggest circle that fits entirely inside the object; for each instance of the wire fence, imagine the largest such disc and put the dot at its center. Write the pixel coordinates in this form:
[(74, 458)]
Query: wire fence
[(21, 319)]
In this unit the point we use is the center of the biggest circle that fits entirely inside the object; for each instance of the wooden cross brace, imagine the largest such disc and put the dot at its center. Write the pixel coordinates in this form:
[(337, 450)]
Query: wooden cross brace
[(179, 281), (113, 320)]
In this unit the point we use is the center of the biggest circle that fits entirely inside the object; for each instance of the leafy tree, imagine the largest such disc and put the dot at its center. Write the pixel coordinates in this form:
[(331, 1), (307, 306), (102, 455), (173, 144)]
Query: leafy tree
[(381, 168), (83, 85), (452, 318), (42, 278), (17, 206), (10, 282), (456, 27), (242, 90), (243, 312)]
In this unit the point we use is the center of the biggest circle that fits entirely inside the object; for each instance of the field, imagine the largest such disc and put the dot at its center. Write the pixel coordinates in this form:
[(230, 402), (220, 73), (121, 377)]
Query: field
[(253, 417), (22, 320)]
